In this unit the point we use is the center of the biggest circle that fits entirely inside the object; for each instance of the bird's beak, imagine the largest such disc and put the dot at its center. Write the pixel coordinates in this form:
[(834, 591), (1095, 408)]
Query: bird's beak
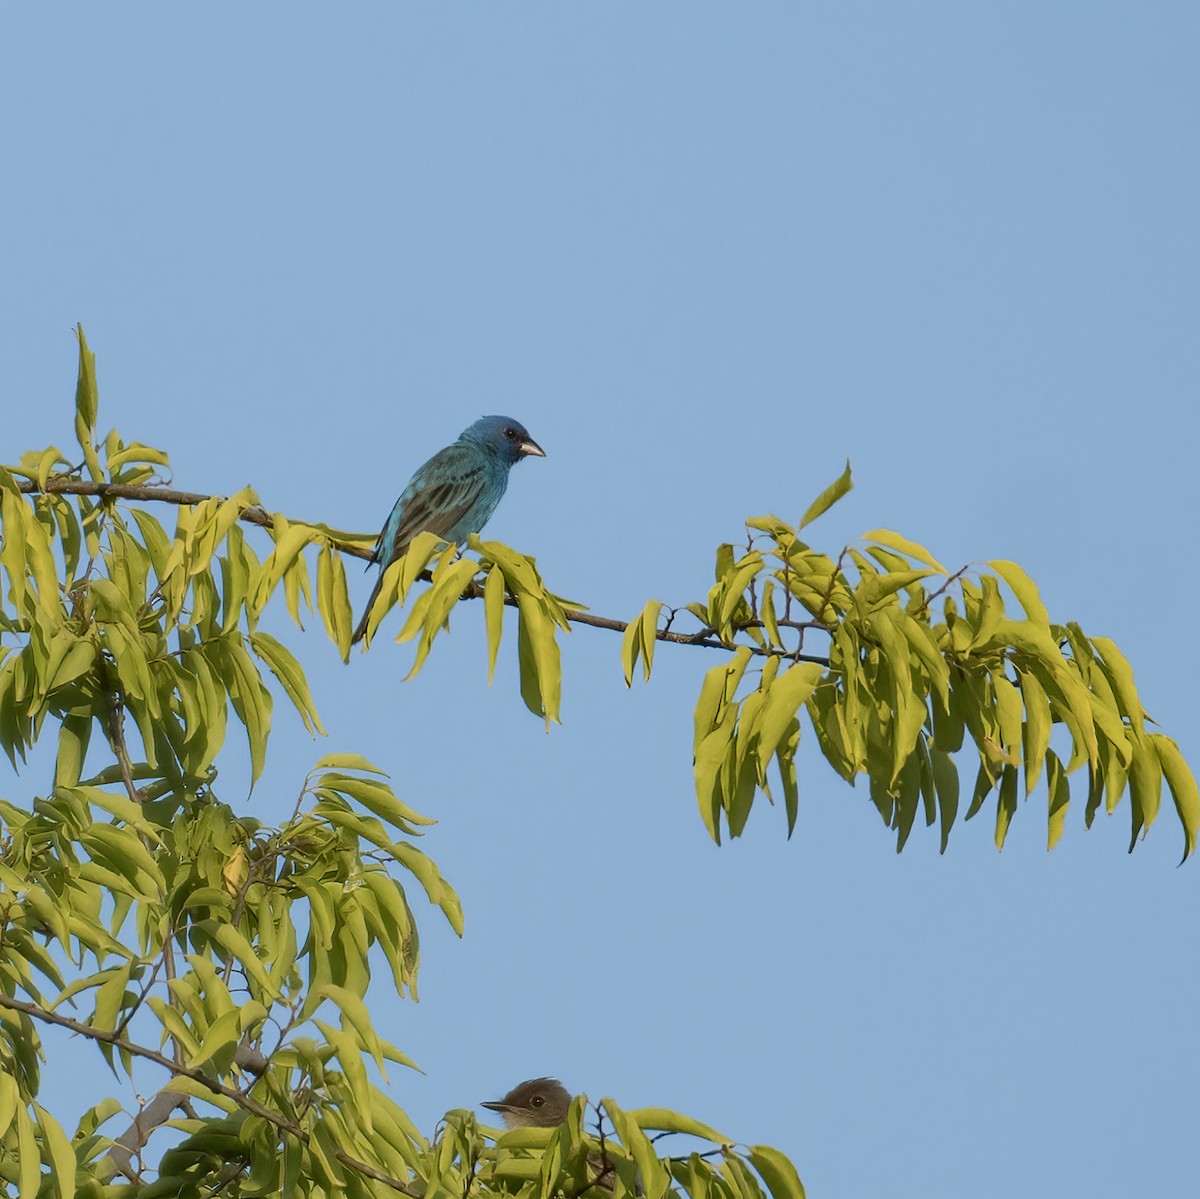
[(530, 449), (496, 1105)]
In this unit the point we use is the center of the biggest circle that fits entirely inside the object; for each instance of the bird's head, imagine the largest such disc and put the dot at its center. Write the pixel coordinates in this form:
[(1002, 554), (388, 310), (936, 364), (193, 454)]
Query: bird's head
[(538, 1103), (504, 437)]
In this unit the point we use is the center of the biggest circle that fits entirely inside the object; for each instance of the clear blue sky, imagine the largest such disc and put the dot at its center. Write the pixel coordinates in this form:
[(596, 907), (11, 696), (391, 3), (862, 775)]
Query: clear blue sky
[(705, 252)]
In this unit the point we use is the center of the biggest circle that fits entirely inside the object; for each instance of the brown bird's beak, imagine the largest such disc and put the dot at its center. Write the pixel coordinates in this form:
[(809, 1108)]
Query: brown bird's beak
[(496, 1105), (530, 449)]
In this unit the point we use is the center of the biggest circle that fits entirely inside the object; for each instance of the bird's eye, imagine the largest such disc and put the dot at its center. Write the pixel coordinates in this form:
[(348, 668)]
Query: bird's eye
[(536, 1101), (511, 434)]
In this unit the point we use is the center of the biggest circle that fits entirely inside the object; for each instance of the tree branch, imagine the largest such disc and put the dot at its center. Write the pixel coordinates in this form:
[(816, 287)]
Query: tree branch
[(255, 515), (211, 1084), (130, 1143), (161, 1108), (151, 493)]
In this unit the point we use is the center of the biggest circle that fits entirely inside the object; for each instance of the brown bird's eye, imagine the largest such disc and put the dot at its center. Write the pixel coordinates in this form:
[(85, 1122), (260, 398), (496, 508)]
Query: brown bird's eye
[(536, 1101)]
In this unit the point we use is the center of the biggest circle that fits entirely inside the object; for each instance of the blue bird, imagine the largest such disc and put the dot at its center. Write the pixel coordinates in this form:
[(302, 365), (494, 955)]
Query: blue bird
[(454, 493)]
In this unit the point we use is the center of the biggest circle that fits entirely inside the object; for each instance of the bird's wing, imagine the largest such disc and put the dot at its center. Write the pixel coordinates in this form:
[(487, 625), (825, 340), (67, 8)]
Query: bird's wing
[(437, 497)]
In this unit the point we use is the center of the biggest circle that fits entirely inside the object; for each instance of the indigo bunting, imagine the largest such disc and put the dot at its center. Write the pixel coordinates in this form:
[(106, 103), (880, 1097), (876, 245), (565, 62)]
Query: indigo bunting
[(454, 493)]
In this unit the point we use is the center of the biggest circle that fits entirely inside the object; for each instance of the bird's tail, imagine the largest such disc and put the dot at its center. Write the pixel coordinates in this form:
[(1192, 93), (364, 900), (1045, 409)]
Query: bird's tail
[(361, 631)]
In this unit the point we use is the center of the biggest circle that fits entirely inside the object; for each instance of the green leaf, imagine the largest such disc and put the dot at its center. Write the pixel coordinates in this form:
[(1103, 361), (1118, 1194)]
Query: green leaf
[(785, 761), (985, 780), (777, 1171), (333, 599), (220, 1042), (290, 675), (519, 572), (649, 629), (830, 496), (29, 1159), (357, 1015), (440, 892), (902, 545), (787, 694), (1009, 709), (1059, 790), (1007, 804), (661, 1119), (946, 784), (1145, 786), (1182, 784), (766, 610), (450, 580), (1024, 588), (653, 1174), (137, 452), (908, 797), (493, 606), (251, 700), (59, 1154), (923, 644), (87, 405), (708, 761), (236, 944), (73, 736), (346, 1047), (1120, 675), (715, 693), (51, 458), (631, 648), (541, 672), (990, 615), (9, 1098), (348, 762), (122, 851), (378, 797), (1037, 728)]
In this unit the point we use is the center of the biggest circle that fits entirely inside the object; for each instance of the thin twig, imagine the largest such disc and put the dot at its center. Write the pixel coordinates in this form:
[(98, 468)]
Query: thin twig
[(604, 1179), (950, 580), (123, 1024), (169, 969), (116, 733)]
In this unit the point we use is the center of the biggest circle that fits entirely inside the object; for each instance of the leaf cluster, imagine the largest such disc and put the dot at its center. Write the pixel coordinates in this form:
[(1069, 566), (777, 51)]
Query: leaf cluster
[(919, 662), (615, 1154), (218, 964)]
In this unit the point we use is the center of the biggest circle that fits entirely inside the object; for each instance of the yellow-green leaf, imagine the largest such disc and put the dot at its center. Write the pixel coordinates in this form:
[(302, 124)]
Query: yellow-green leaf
[(661, 1119), (59, 1153), (777, 1171), (1059, 790), (909, 549), (348, 762), (649, 629), (230, 939), (1182, 784), (1024, 588), (1007, 804), (493, 605), (830, 496), (787, 694)]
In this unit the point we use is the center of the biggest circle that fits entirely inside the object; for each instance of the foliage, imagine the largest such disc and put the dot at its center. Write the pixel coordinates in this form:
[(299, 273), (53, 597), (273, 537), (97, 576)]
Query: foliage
[(234, 958), (911, 675), (177, 935)]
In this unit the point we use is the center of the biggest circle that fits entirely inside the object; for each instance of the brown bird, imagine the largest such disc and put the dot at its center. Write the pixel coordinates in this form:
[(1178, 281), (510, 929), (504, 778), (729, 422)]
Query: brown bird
[(543, 1103), (537, 1103)]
